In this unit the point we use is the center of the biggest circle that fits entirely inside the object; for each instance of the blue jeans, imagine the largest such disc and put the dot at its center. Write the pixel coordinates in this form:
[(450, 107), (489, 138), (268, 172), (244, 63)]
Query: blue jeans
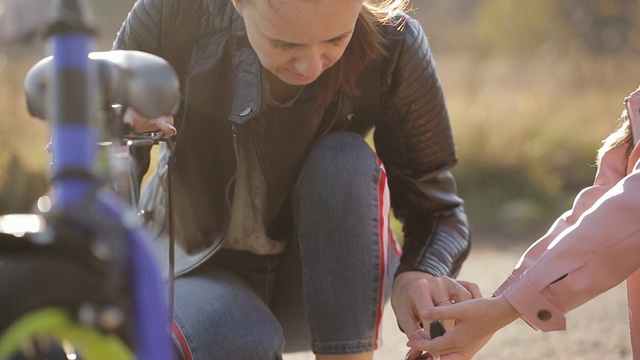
[(325, 293)]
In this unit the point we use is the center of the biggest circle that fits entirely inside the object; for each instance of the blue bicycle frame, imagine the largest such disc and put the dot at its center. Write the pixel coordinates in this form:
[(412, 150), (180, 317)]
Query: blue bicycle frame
[(73, 98)]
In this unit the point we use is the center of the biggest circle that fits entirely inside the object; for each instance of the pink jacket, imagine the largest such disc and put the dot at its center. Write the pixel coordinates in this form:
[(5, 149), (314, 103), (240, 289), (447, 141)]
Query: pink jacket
[(589, 249)]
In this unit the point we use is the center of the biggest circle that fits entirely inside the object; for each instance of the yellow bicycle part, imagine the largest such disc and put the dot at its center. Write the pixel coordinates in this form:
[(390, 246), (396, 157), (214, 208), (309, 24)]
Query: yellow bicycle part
[(55, 323)]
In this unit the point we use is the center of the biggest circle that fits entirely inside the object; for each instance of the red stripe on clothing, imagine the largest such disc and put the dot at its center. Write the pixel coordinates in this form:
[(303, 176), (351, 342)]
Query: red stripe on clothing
[(182, 342), (383, 231)]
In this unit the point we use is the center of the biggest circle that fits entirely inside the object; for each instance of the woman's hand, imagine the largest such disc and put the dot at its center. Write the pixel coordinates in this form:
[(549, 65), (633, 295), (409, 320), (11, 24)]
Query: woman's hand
[(475, 323), (415, 293), (142, 124)]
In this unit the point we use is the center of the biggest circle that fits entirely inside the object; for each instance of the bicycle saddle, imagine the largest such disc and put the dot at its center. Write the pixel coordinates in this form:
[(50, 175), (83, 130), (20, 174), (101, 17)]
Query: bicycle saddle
[(143, 81)]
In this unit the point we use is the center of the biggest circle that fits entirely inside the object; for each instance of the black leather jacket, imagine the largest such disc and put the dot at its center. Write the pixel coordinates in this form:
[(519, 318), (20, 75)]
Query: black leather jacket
[(221, 82)]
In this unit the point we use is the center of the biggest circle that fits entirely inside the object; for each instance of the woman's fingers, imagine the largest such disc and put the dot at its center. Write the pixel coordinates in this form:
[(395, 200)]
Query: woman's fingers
[(165, 124), (416, 293), (441, 344), (476, 321), (142, 124), (473, 288), (416, 354), (464, 291)]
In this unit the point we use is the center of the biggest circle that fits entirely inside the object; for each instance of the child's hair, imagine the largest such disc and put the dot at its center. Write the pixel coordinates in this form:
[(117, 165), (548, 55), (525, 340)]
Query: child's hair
[(621, 136)]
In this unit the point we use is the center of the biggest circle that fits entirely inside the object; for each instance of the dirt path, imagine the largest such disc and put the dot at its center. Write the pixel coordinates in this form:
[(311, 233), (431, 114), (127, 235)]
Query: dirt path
[(597, 330)]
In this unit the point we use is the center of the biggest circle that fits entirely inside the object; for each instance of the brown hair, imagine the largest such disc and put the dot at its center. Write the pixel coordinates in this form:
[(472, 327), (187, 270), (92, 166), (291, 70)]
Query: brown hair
[(366, 45)]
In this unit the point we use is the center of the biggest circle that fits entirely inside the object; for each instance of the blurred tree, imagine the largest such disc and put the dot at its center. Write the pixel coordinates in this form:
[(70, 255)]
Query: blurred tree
[(525, 27), (603, 25), (538, 25)]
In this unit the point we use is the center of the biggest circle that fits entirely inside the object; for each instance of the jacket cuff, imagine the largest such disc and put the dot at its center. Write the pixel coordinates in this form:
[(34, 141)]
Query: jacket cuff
[(436, 245), (425, 265), (535, 309)]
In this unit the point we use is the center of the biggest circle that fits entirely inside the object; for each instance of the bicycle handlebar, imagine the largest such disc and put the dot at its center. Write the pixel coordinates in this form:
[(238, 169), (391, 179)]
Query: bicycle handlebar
[(143, 81)]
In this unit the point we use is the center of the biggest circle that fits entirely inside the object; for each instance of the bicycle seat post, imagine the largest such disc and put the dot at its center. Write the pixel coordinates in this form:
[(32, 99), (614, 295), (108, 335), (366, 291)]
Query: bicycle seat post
[(72, 101)]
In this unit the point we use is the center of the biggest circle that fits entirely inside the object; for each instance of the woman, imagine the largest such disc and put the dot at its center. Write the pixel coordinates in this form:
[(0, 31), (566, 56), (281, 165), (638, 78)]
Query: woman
[(588, 250), (280, 206)]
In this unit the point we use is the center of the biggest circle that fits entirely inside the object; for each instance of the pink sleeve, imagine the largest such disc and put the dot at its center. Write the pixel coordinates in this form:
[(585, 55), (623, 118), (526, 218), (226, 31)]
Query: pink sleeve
[(594, 232)]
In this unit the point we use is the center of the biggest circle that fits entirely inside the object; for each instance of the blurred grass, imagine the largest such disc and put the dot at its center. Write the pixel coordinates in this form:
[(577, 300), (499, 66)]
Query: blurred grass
[(527, 130)]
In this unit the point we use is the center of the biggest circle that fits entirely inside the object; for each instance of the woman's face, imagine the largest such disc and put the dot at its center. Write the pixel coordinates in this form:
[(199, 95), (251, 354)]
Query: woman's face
[(299, 39)]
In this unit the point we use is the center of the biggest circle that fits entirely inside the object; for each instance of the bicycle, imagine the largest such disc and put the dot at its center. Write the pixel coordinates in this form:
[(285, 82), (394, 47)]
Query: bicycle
[(78, 281)]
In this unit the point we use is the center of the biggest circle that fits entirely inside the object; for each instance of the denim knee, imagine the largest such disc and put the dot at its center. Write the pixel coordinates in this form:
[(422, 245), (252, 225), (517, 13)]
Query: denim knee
[(217, 316), (341, 157), (337, 212)]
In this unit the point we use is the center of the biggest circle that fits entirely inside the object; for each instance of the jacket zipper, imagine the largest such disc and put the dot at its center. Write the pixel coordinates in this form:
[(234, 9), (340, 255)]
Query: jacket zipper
[(228, 195), (234, 136)]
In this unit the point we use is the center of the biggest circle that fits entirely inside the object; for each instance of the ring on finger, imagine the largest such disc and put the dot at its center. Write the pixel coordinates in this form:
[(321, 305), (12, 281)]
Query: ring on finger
[(454, 290), (443, 300), (453, 293)]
